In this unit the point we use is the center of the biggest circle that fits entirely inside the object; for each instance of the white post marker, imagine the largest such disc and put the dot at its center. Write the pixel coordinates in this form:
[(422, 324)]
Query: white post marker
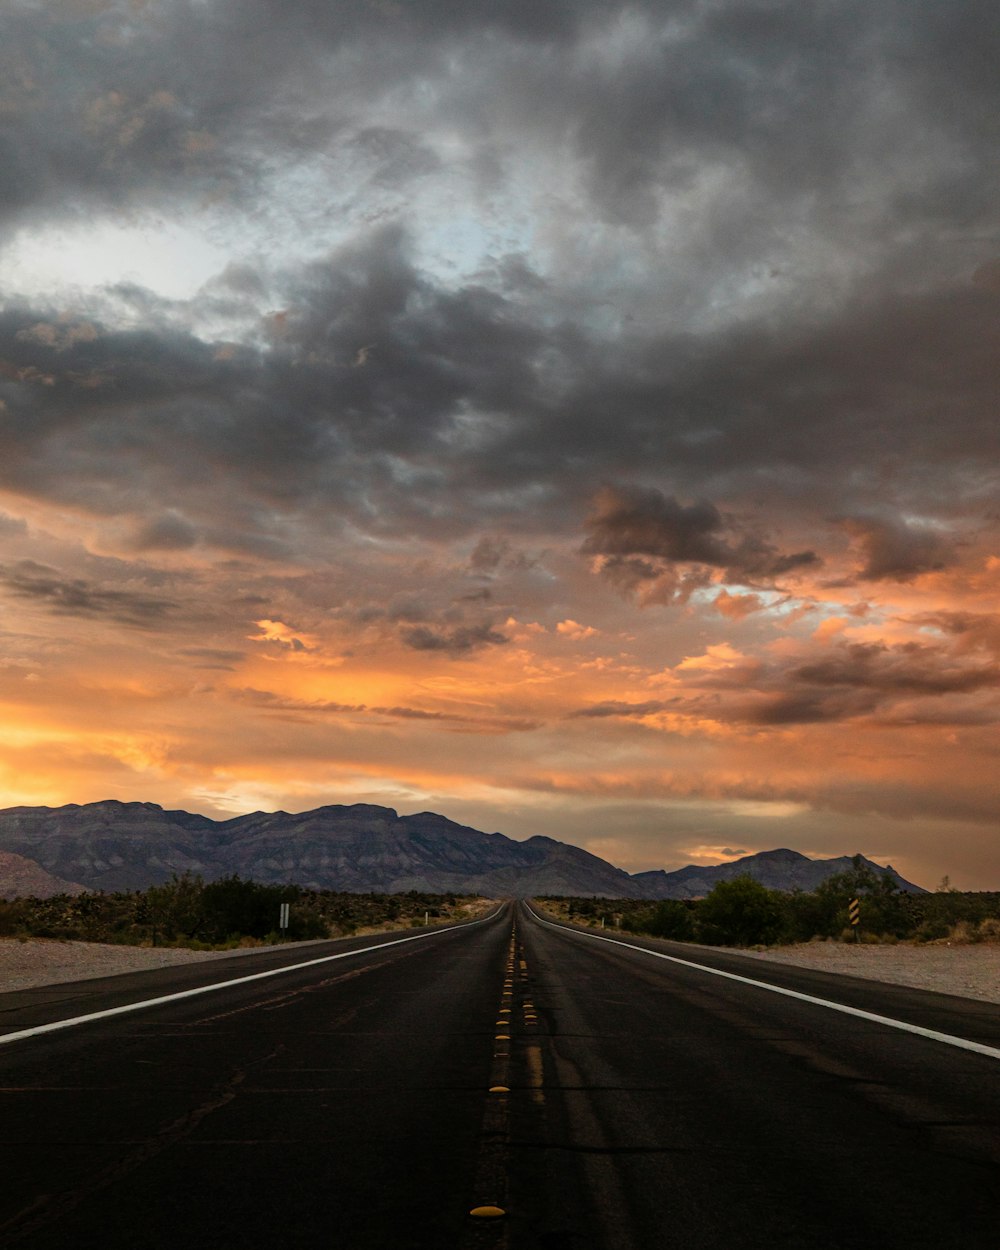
[(283, 917)]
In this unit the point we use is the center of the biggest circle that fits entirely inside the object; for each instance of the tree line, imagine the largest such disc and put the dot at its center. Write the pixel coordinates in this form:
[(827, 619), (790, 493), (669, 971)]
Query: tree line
[(742, 912), (188, 911)]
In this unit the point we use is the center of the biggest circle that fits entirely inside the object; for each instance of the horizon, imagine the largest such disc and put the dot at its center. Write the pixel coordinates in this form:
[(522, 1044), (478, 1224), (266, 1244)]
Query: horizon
[(577, 418)]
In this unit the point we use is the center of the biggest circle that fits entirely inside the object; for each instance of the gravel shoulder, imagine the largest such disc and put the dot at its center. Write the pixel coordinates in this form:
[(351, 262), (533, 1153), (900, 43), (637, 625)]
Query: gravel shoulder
[(969, 971), (24, 965)]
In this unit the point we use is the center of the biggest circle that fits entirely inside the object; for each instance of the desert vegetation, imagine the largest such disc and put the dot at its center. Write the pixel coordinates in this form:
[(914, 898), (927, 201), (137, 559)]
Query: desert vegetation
[(188, 911), (742, 912)]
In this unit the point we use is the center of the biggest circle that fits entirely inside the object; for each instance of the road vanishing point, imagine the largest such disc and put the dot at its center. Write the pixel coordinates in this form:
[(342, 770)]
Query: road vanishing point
[(504, 1083)]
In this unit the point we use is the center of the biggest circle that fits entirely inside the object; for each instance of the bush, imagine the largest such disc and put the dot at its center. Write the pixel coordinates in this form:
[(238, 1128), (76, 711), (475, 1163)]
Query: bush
[(671, 919), (186, 911), (748, 914), (740, 912)]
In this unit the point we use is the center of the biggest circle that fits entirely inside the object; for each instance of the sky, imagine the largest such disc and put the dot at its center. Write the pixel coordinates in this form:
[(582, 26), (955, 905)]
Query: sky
[(575, 418)]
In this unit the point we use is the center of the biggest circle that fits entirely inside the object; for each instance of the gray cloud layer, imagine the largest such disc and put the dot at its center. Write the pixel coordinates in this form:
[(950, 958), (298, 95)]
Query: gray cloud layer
[(819, 341)]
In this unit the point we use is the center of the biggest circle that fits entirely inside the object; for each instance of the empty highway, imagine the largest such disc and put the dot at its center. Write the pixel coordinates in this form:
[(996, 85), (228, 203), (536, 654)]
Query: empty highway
[(601, 1096)]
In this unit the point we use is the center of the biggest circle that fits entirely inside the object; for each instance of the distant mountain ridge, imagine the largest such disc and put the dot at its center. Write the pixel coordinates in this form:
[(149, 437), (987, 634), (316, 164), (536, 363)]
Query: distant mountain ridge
[(781, 869), (112, 845)]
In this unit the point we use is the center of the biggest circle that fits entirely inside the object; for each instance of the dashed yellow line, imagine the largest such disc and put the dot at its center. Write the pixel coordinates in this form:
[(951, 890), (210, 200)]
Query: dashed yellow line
[(487, 1213), (491, 1172)]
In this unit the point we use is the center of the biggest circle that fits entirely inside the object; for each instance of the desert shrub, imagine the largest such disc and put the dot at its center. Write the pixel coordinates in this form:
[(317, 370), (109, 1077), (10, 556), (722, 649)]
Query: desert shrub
[(740, 912), (887, 913), (931, 931), (964, 933), (188, 912), (671, 919), (886, 910), (176, 909), (808, 915)]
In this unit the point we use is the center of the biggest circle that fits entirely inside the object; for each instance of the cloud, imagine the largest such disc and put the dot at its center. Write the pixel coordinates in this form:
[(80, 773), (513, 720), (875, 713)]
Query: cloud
[(59, 336), (11, 526), (911, 683), (278, 634), (971, 630), (460, 423), (736, 607), (77, 596), (488, 554), (212, 657), (272, 701), (897, 550), (910, 668), (640, 524), (575, 631), (637, 711), (874, 680), (462, 640), (632, 521), (167, 532), (282, 703)]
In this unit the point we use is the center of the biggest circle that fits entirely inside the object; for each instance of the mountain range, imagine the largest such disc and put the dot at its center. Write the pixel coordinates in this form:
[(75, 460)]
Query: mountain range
[(359, 848)]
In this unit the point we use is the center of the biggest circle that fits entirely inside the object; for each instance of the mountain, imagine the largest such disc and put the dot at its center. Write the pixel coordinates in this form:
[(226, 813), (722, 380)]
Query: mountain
[(110, 845), (778, 870), (359, 847), (127, 846), (23, 878)]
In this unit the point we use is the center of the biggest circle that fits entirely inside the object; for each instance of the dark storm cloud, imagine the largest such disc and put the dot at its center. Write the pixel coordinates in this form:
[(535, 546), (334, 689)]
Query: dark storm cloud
[(78, 597), (469, 408), (850, 681), (873, 679), (100, 113), (172, 100), (462, 640), (800, 100), (387, 400), (908, 669), (898, 551), (288, 426), (633, 523), (167, 532)]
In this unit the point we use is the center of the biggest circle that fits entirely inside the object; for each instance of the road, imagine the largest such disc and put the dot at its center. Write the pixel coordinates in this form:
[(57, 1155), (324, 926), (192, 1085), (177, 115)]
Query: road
[(603, 1097)]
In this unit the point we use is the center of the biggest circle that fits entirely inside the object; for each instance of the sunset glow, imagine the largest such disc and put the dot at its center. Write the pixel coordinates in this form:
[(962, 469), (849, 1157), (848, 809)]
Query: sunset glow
[(579, 421)]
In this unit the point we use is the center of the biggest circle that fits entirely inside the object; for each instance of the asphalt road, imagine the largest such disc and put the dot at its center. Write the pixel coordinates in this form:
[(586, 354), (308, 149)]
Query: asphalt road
[(602, 1097)]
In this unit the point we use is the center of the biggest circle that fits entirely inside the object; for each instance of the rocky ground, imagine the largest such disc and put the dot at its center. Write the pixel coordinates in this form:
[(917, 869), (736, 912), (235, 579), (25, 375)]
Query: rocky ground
[(970, 971), (24, 964)]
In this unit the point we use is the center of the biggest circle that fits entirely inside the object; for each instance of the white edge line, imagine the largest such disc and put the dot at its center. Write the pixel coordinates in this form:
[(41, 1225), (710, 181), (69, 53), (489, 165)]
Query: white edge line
[(949, 1039), (72, 1021)]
